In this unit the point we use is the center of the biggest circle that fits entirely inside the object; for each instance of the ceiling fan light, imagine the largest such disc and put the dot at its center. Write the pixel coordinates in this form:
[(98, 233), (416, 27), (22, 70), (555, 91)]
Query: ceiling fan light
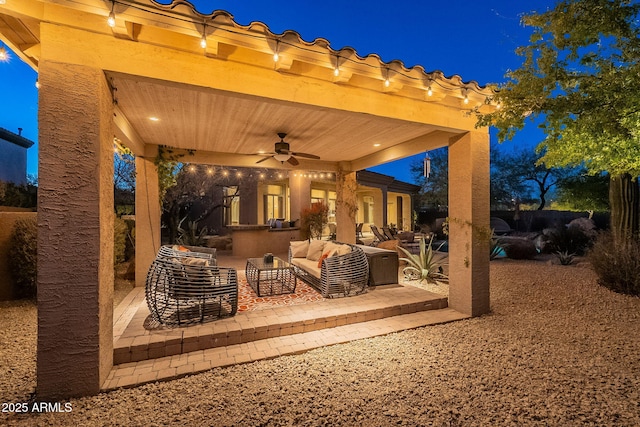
[(282, 157)]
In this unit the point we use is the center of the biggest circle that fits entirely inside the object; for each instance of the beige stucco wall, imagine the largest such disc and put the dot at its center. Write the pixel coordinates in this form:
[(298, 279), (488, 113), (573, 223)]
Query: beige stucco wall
[(7, 220), (469, 231), (75, 231)]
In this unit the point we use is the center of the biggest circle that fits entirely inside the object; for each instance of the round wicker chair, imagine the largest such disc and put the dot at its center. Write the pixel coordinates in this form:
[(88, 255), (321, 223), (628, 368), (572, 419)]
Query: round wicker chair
[(183, 288)]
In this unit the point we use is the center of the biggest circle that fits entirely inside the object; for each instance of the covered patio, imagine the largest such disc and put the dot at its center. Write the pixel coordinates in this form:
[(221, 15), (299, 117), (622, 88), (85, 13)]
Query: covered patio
[(214, 92)]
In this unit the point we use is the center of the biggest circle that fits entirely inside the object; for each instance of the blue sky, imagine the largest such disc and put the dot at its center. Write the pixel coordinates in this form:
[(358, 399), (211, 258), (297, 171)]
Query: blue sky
[(474, 39)]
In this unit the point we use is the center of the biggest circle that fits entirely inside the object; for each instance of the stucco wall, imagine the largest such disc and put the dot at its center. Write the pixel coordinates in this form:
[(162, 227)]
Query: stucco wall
[(13, 162), (7, 220)]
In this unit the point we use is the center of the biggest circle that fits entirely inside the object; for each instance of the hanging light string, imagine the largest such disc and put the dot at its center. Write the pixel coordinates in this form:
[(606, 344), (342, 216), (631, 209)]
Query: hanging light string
[(432, 78)]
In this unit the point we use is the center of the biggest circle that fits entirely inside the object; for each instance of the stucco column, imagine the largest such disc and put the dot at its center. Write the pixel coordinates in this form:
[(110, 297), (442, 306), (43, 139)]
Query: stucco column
[(469, 231), (346, 206), (147, 215), (299, 195), (75, 231), (379, 208)]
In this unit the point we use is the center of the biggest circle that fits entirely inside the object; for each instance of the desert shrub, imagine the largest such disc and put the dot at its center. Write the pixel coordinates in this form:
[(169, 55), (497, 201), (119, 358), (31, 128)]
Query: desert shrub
[(120, 231), (519, 249), (313, 220), (190, 235), (573, 240), (23, 253), (617, 263)]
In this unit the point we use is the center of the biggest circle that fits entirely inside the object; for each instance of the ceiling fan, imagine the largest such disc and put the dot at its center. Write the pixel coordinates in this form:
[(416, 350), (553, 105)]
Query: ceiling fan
[(282, 153)]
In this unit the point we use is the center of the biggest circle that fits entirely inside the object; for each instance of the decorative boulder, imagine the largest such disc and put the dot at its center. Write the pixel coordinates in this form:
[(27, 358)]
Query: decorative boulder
[(516, 248)]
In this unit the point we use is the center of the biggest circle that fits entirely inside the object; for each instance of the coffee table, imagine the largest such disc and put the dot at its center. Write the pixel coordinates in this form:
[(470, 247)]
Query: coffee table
[(273, 278)]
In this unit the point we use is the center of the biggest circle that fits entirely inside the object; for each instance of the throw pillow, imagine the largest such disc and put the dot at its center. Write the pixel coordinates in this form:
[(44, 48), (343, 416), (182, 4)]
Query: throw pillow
[(331, 248), (316, 247), (299, 249), (322, 258), (342, 250)]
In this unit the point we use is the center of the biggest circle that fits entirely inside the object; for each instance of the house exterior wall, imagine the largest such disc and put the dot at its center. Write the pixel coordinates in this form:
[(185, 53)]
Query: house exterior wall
[(13, 163)]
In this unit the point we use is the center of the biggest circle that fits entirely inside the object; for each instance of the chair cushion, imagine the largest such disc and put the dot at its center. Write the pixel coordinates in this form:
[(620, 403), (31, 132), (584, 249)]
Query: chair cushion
[(316, 248), (299, 249)]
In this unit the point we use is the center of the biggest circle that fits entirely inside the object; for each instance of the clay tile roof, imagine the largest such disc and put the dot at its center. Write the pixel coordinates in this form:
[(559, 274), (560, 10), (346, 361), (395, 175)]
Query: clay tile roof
[(221, 17)]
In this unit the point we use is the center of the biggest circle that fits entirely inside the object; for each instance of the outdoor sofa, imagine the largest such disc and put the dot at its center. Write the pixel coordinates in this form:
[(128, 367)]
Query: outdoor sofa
[(184, 286), (334, 269)]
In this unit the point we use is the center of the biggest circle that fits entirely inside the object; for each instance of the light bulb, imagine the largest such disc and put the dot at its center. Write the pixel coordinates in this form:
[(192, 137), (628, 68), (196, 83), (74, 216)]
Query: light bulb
[(429, 91), (387, 82), (466, 99), (111, 20), (276, 57), (37, 84), (4, 55), (203, 42), (336, 71)]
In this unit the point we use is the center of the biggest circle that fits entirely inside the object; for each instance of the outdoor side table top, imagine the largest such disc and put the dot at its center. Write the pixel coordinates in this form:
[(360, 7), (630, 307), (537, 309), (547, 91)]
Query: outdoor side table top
[(273, 278)]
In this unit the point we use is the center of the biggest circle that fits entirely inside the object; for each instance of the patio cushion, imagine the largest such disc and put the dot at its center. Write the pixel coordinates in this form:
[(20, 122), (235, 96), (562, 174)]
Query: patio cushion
[(316, 247), (299, 249), (307, 265), (330, 248)]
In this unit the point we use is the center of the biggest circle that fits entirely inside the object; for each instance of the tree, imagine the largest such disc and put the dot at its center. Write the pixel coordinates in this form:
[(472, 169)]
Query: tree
[(504, 188), (580, 73), (434, 191), (124, 181), (584, 192), (520, 168), (194, 184)]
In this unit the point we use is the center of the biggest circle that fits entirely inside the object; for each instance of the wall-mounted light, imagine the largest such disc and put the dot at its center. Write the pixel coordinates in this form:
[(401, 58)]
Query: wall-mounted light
[(111, 20), (276, 56), (37, 84), (336, 70)]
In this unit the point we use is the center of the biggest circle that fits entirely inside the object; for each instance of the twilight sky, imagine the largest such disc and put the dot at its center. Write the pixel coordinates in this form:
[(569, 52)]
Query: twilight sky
[(474, 39)]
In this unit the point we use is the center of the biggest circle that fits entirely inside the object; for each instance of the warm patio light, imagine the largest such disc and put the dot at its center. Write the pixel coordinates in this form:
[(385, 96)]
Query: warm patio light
[(210, 171), (154, 119), (37, 84), (275, 55), (203, 40), (4, 55), (376, 145), (282, 157), (387, 82), (111, 20), (336, 71), (429, 91), (3, 1)]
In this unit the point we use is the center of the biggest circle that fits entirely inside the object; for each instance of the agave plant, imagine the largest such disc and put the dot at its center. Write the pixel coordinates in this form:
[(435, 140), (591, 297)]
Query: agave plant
[(190, 235), (565, 257), (424, 265)]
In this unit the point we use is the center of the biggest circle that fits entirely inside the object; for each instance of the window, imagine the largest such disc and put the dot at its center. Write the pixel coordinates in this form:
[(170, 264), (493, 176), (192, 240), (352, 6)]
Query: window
[(274, 202), (318, 196), (231, 205)]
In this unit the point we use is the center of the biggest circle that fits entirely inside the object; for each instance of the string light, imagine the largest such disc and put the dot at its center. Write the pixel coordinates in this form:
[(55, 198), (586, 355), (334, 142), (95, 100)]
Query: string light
[(4, 55), (111, 20), (276, 56), (210, 171), (203, 40)]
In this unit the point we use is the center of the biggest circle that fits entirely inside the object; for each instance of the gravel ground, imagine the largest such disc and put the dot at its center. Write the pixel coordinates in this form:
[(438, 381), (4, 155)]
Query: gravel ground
[(557, 350)]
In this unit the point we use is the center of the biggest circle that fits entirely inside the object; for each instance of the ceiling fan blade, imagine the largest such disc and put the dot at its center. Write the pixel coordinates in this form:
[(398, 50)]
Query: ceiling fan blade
[(308, 156), (263, 159), (293, 161)]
